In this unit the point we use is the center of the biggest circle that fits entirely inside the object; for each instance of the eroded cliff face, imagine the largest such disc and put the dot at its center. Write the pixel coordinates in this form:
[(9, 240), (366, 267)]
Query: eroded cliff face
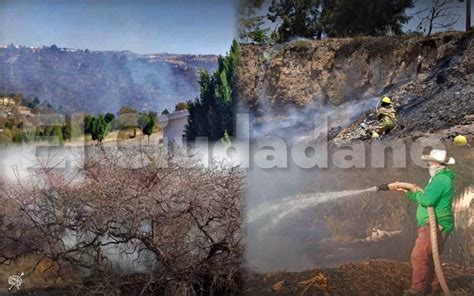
[(310, 72)]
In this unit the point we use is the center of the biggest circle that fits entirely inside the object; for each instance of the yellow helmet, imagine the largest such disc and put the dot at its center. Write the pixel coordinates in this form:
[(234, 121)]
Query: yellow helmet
[(386, 100), (460, 140)]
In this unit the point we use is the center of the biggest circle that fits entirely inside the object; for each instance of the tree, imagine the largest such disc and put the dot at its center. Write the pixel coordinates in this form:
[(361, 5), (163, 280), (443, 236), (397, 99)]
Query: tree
[(165, 112), (345, 18), (150, 125), (337, 18), (56, 134), (250, 24), (109, 117), (441, 15), (89, 122), (30, 103), (18, 136), (213, 112), (181, 106), (67, 130), (298, 18), (99, 129)]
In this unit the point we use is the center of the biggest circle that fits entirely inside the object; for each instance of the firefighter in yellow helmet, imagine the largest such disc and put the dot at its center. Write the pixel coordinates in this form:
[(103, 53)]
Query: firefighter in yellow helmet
[(386, 116)]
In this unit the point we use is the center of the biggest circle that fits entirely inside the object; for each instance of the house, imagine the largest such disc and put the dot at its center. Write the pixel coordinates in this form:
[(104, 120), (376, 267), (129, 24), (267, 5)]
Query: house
[(6, 101), (174, 125)]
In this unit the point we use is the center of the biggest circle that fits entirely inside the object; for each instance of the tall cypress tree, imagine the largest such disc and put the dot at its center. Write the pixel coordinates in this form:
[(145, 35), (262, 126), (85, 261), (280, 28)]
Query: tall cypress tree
[(212, 114)]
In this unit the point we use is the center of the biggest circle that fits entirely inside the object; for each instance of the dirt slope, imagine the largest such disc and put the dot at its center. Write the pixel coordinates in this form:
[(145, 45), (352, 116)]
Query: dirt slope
[(371, 278)]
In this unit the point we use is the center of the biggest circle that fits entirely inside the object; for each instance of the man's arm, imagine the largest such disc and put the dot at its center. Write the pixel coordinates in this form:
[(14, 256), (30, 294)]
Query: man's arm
[(430, 196)]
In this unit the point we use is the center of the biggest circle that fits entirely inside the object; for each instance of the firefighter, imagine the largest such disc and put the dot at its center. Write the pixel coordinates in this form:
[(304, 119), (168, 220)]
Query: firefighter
[(386, 116)]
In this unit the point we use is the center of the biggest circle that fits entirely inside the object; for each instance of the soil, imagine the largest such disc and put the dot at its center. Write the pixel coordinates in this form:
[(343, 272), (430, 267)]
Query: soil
[(372, 277)]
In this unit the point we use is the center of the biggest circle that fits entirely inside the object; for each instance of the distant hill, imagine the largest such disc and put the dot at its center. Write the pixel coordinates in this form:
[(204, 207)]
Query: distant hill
[(101, 81)]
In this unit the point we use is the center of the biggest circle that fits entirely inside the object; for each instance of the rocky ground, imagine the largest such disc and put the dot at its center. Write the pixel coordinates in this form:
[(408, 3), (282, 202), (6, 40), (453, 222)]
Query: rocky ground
[(431, 79), (374, 277), (438, 101)]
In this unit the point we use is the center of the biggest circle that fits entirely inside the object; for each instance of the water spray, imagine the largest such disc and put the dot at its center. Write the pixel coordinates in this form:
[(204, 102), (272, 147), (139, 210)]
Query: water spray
[(433, 230), (292, 205)]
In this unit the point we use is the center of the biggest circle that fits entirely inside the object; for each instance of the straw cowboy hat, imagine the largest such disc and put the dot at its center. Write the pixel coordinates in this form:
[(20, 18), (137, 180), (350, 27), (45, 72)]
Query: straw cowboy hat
[(439, 156)]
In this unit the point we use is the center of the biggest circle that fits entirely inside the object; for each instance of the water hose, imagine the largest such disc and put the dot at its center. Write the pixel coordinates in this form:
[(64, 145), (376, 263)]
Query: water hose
[(433, 232), (435, 251)]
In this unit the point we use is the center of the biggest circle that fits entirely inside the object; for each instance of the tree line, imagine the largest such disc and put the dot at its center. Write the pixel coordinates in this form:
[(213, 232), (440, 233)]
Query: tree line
[(287, 19), (14, 128)]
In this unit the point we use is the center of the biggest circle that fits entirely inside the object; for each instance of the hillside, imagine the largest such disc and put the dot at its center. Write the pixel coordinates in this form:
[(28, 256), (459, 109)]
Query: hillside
[(94, 81), (433, 77)]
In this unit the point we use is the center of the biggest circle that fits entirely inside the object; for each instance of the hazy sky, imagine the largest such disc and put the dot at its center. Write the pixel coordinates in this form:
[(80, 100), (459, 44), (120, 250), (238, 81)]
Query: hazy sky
[(458, 8), (142, 26)]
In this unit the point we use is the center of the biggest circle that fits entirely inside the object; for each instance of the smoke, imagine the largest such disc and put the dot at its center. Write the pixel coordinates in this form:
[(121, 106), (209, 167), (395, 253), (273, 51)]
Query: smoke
[(295, 122), (99, 81), (282, 203)]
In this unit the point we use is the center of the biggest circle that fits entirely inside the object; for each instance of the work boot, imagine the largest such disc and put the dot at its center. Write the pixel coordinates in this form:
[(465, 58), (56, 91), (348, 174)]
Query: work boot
[(412, 292)]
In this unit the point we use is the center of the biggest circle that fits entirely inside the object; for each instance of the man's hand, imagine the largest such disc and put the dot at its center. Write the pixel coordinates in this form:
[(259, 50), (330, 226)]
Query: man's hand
[(401, 189)]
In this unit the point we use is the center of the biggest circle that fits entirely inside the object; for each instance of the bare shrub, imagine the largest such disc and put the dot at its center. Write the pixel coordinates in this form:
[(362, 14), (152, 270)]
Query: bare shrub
[(180, 221)]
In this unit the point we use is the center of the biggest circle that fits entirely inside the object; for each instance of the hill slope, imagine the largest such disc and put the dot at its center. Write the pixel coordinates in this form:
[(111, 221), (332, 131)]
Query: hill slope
[(431, 80), (94, 81)]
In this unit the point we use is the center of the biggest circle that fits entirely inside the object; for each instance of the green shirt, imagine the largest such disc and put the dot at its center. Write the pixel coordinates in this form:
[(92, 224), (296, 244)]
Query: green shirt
[(439, 194)]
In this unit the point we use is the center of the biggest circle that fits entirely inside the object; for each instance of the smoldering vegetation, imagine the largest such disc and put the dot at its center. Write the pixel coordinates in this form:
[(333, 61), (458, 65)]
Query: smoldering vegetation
[(133, 221)]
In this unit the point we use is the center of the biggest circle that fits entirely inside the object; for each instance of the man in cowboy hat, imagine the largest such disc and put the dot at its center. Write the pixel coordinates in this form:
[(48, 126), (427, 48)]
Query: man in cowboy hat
[(439, 194)]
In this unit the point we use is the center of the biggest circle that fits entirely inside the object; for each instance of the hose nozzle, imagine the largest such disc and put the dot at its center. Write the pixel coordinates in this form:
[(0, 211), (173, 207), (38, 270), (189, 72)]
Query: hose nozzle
[(383, 187)]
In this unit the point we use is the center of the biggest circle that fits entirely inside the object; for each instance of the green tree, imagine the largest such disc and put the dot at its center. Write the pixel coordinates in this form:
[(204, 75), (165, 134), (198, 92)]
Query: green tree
[(30, 135), (296, 18), (142, 120), (67, 130), (18, 136), (213, 112), (181, 106), (345, 18), (150, 125), (165, 112), (109, 117), (337, 18), (99, 129), (88, 124), (56, 134), (251, 26), (30, 103)]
